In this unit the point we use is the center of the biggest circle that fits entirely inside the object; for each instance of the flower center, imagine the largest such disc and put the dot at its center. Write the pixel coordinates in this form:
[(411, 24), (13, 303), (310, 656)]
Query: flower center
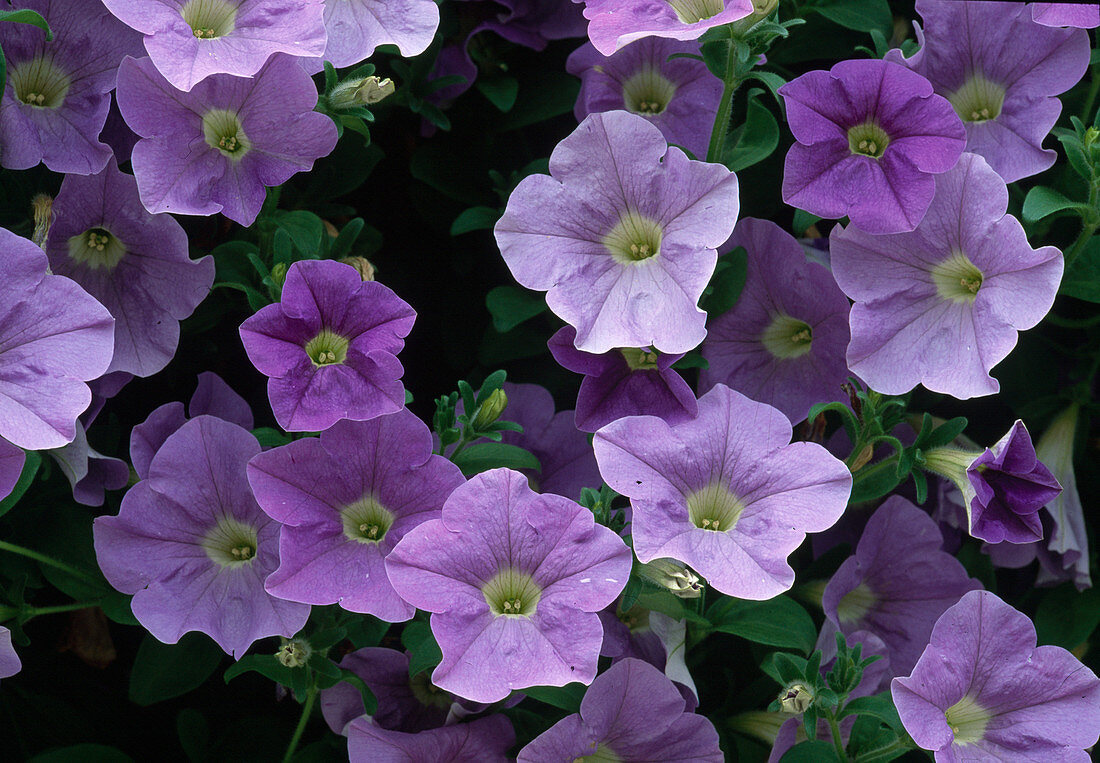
[(855, 604), (634, 238), (39, 82), (978, 100), (96, 248), (639, 360), (366, 520), (327, 348), (868, 139), (787, 337), (231, 543), (691, 11), (957, 279), (967, 720), (647, 92), (209, 18), (714, 507), (603, 754), (512, 593), (223, 131)]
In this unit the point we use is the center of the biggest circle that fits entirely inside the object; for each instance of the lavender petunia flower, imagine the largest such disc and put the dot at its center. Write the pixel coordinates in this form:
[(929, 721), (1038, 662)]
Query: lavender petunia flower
[(193, 546), (622, 233), (942, 305), (514, 581), (1066, 554), (484, 740), (356, 27), (329, 347), (12, 459), (651, 636), (89, 472), (679, 96), (630, 712), (1000, 71), (345, 500), (725, 493), (896, 585), (57, 94), (983, 691), (134, 263), (215, 148), (615, 23), (783, 342), (1080, 15), (9, 660), (871, 136), (53, 338), (189, 40), (624, 382)]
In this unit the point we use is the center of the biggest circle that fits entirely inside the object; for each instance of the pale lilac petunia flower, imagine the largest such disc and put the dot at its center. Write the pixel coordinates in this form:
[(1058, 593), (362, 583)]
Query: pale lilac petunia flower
[(1084, 15), (982, 690), (941, 305), (329, 347), (12, 459), (57, 93), (783, 342), (1000, 71), (217, 148), (726, 493), (622, 234), (90, 472), (484, 740), (136, 264), (345, 499), (1066, 554), (678, 95), (357, 27), (193, 546), (9, 660), (615, 23), (514, 581), (189, 40), (651, 636), (870, 138)]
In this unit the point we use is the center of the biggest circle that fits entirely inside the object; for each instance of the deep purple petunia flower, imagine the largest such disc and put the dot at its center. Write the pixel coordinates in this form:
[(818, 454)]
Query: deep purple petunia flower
[(484, 740), (624, 382), (57, 93), (54, 337), (615, 23), (871, 136), (12, 459), (329, 347), (726, 493), (983, 691), (1080, 15), (942, 305), (630, 712), (783, 342), (345, 500), (189, 40), (215, 148), (896, 585), (134, 263), (622, 233), (193, 546), (679, 96), (514, 581), (356, 27), (9, 660), (1000, 71)]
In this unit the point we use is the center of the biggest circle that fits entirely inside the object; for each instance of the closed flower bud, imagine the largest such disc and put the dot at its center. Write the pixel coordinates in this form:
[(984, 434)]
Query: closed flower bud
[(362, 264), (490, 410)]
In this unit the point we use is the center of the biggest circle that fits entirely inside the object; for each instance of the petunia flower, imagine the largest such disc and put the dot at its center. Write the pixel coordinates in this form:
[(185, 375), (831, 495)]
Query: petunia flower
[(136, 264), (630, 712), (193, 547), (54, 337), (345, 500), (982, 690), (189, 40), (870, 138), (941, 305), (514, 581), (217, 147), (57, 94), (9, 660), (623, 382), (1066, 553), (329, 347), (12, 459), (90, 472), (615, 23), (651, 636), (485, 740), (726, 493), (1000, 71), (783, 342), (622, 234), (677, 95), (1080, 15)]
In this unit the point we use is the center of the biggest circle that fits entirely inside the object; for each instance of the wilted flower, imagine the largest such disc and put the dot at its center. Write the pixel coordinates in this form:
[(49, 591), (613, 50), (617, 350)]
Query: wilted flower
[(1067, 545)]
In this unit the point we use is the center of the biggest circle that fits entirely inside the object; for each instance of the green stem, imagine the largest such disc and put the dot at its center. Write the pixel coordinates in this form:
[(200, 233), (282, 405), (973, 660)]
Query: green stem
[(834, 729), (32, 554), (721, 128), (36, 611), (1090, 99), (887, 753), (307, 709), (1079, 244)]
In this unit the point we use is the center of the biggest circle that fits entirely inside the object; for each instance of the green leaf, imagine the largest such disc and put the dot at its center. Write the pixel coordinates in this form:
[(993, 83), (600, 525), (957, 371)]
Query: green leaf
[(163, 671), (772, 81), (419, 642), (304, 228), (269, 667), (511, 306), (803, 220), (755, 140), (83, 753), (946, 432), (1082, 278), (475, 218), (1075, 152), (27, 16), (567, 698), (26, 477), (817, 751), (873, 481), (366, 631), (878, 706), (860, 15), (1042, 202), (725, 287), (500, 90), (194, 733), (777, 622), (1067, 617), (491, 455), (341, 247)]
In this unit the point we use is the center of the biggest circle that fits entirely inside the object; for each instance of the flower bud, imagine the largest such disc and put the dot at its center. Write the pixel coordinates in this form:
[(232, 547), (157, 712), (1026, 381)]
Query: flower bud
[(42, 208), (360, 92), (490, 410), (674, 576), (796, 698), (362, 264), (294, 652)]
